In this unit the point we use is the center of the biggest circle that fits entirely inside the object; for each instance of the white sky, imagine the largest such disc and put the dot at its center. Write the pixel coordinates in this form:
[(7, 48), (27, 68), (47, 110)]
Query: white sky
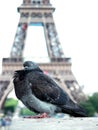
[(77, 26)]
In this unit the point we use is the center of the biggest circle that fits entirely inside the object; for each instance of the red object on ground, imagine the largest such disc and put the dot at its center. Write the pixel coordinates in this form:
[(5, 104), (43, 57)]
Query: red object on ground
[(43, 115)]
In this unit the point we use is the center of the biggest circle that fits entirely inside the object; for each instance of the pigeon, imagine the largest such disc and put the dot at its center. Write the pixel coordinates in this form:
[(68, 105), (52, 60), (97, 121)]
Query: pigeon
[(40, 93)]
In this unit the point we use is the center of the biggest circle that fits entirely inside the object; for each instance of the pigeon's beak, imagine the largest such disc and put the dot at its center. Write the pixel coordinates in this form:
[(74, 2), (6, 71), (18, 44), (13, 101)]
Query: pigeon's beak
[(26, 67)]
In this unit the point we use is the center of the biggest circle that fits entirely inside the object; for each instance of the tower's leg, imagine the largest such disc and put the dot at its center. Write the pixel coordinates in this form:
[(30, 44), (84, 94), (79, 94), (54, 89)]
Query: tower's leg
[(5, 88), (53, 44), (19, 41)]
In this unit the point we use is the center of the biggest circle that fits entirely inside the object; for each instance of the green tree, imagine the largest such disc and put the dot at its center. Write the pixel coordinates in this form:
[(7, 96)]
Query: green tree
[(87, 105), (91, 105), (94, 100), (26, 112), (10, 105)]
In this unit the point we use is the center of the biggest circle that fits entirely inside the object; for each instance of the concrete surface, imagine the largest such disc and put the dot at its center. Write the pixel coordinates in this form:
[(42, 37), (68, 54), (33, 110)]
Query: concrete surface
[(55, 124)]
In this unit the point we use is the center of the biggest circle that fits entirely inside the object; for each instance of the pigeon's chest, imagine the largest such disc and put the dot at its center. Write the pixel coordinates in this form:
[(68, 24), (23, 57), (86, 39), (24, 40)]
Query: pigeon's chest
[(34, 103), (21, 88)]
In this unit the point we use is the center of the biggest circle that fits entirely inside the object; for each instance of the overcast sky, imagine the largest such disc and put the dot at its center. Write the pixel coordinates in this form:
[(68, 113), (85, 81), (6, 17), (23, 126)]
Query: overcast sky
[(77, 26)]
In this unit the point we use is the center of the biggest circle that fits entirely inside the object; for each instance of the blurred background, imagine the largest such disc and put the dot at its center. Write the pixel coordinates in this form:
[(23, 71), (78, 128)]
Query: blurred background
[(77, 26)]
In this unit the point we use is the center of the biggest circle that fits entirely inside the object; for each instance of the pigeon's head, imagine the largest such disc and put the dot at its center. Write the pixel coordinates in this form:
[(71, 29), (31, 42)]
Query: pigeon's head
[(30, 65)]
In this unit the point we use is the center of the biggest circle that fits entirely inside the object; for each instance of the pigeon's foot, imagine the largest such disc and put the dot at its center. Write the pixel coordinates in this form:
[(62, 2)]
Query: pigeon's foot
[(43, 115)]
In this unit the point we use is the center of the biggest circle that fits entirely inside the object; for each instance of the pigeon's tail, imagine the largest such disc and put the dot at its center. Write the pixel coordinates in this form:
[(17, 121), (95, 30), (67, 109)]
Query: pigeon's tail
[(74, 110)]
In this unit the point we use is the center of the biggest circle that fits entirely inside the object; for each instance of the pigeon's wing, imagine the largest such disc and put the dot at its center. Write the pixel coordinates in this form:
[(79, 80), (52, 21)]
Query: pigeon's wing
[(46, 89)]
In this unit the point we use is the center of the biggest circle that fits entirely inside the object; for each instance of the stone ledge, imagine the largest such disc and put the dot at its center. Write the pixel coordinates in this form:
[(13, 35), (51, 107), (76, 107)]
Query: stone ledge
[(55, 124)]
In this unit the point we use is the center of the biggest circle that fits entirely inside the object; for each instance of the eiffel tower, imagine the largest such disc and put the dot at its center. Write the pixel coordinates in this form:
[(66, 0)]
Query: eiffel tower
[(58, 66)]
